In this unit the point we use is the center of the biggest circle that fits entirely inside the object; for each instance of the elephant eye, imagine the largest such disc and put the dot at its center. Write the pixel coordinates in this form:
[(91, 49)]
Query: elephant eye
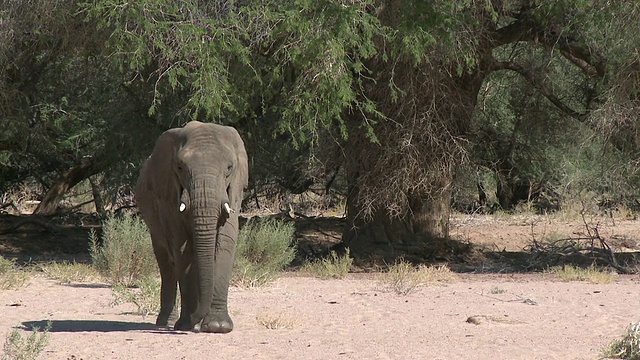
[(180, 165), (229, 168)]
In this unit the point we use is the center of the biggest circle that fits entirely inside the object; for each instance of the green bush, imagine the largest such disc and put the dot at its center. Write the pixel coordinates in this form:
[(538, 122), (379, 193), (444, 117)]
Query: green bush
[(17, 347), (264, 248), (126, 255), (627, 347)]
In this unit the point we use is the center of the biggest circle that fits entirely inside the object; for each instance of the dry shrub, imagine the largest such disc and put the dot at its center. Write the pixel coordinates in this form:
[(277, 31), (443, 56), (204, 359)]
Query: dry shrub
[(332, 267), (404, 278)]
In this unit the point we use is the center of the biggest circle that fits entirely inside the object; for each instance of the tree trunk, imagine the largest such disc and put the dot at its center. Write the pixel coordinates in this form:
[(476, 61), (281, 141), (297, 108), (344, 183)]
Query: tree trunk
[(504, 193), (70, 178), (383, 237), (97, 199)]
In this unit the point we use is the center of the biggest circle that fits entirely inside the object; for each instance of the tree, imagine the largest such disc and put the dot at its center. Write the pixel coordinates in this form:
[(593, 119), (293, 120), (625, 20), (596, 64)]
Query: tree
[(395, 84), (475, 41), (68, 113)]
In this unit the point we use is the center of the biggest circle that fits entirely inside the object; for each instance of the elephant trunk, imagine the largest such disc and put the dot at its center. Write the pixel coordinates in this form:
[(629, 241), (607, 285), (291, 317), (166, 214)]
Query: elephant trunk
[(206, 212)]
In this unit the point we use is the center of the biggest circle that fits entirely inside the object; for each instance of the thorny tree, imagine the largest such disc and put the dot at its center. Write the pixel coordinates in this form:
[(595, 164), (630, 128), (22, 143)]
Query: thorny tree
[(394, 83)]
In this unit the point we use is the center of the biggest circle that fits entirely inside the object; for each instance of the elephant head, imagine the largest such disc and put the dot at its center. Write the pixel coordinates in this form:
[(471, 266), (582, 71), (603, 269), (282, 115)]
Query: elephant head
[(191, 191)]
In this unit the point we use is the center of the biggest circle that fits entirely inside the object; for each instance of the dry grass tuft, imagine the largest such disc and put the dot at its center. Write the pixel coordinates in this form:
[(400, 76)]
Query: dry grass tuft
[(11, 277), (332, 267), (68, 272), (404, 278), (590, 274), (276, 322)]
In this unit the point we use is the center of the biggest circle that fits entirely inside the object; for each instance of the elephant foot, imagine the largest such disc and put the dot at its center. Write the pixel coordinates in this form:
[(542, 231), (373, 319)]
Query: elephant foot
[(165, 318), (215, 323), (183, 324)]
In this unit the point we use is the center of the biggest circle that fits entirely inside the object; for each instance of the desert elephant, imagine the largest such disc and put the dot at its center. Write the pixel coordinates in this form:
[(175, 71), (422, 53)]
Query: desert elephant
[(189, 194)]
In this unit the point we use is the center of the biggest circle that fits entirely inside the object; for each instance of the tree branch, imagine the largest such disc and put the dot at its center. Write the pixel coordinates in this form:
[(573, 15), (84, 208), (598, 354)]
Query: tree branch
[(538, 84), (526, 29)]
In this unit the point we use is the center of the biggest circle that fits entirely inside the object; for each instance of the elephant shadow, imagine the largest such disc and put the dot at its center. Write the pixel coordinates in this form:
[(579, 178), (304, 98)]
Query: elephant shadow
[(72, 326)]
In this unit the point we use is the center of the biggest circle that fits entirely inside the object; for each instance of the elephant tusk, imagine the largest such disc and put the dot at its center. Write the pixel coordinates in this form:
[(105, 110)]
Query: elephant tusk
[(182, 207), (228, 208)]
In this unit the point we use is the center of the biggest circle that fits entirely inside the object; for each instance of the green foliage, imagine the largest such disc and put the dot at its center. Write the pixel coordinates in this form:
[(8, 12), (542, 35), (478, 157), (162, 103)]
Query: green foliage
[(627, 347), (63, 101), (264, 248), (17, 347), (400, 79), (295, 60), (126, 254), (332, 267)]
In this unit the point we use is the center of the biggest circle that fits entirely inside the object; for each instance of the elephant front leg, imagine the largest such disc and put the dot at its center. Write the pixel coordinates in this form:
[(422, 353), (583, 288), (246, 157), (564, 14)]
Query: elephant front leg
[(188, 299), (168, 289), (218, 319)]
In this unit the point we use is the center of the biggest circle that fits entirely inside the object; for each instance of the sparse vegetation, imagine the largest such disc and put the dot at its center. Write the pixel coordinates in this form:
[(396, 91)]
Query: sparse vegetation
[(275, 322), (627, 347), (10, 276), (590, 274), (5, 265), (497, 290), (67, 272), (403, 278), (145, 295), (332, 267), (127, 260), (16, 347), (264, 249), (126, 254)]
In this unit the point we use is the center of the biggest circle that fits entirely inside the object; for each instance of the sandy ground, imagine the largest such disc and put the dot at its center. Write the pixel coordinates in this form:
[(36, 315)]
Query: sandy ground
[(478, 316), (532, 318)]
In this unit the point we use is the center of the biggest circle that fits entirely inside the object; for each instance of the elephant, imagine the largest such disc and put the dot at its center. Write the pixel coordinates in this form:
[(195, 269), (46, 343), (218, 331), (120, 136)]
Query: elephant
[(189, 194)]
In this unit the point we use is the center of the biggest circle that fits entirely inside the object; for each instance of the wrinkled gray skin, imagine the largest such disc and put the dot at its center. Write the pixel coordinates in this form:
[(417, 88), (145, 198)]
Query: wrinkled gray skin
[(202, 166)]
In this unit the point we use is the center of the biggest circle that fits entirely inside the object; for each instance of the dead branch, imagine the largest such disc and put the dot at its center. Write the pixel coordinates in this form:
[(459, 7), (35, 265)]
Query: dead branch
[(593, 247), (32, 220), (9, 204), (594, 234)]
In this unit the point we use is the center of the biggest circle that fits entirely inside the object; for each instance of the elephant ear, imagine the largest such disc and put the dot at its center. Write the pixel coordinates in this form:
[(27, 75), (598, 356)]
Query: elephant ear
[(240, 177), (157, 181)]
